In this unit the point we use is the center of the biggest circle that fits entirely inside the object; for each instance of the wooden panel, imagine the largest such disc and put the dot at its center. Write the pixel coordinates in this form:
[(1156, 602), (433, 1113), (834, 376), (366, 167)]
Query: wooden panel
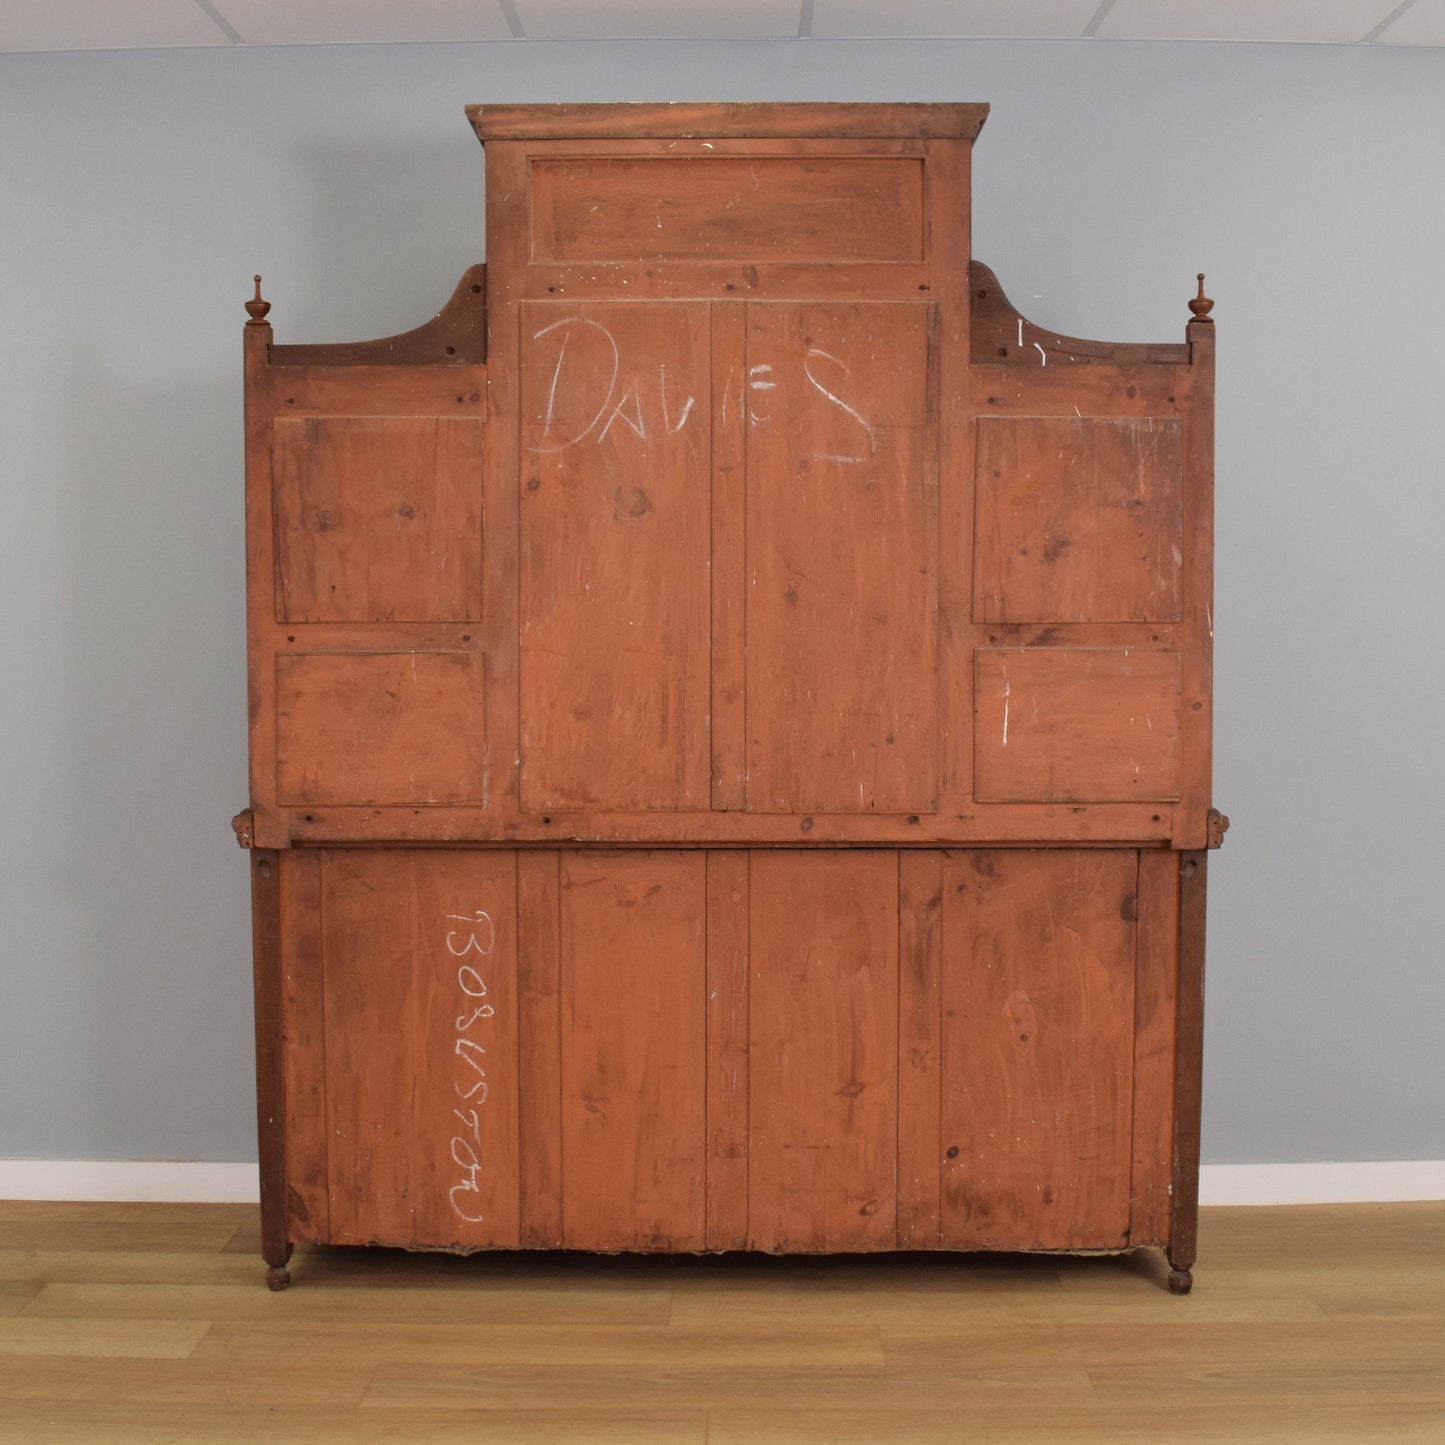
[(1076, 724), (634, 1124), (380, 727), (539, 1048), (842, 536), (823, 1093), (421, 1046), (1037, 1048), (303, 1044), (727, 1049), (1079, 520), (614, 557), (920, 1054), (379, 519), (755, 208), (1155, 991)]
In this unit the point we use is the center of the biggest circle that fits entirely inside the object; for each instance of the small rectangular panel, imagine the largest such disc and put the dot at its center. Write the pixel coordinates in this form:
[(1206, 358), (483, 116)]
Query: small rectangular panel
[(727, 1049), (823, 1091), (378, 519), (1079, 519), (615, 528), (380, 728), (634, 1109), (420, 957), (920, 1011), (842, 547), (1076, 724), (1038, 1042), (727, 208)]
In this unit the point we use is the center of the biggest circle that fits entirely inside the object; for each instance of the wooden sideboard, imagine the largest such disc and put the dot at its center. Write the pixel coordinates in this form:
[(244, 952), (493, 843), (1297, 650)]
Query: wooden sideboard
[(730, 722)]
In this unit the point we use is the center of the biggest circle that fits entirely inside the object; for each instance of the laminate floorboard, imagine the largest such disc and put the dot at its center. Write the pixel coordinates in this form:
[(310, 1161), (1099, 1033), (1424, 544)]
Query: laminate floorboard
[(131, 1322)]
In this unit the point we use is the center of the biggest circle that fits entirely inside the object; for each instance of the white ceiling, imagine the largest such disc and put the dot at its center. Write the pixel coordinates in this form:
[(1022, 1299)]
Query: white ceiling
[(143, 24)]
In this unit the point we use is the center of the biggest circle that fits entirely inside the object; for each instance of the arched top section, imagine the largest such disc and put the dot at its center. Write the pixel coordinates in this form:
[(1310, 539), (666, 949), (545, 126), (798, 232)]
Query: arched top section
[(455, 336), (1001, 335)]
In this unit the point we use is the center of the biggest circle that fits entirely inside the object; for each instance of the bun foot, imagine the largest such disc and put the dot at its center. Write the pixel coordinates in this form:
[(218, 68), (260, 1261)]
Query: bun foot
[(278, 1276), (1181, 1281)]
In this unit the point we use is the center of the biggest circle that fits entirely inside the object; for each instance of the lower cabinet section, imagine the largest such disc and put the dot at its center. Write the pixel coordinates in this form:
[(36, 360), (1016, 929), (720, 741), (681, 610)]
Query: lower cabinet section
[(785, 1050)]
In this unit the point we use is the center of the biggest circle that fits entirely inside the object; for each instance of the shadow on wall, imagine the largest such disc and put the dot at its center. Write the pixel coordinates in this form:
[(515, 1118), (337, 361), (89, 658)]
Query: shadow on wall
[(155, 718)]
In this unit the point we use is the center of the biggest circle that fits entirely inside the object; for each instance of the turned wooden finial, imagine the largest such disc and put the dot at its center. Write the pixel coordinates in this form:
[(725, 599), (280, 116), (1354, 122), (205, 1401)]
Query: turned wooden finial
[(257, 308), (1201, 306)]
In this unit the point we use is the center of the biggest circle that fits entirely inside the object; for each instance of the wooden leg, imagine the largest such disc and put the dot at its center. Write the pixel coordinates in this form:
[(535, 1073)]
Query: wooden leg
[(270, 1092), (1188, 1072)]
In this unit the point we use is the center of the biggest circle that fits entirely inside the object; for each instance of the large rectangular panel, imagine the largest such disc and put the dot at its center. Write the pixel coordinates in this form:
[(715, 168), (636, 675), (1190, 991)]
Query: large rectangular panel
[(823, 1092), (615, 594), (842, 544), (420, 958), (1038, 1043), (378, 519), (736, 208), (380, 728), (1076, 724), (634, 1104), (1079, 519)]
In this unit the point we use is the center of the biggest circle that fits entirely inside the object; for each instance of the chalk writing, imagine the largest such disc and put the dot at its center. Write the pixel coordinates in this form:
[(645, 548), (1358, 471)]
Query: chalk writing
[(477, 935)]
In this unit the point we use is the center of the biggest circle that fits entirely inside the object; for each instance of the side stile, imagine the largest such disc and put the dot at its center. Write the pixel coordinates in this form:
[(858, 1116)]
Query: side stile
[(270, 1078), (1188, 1071), (539, 1048)]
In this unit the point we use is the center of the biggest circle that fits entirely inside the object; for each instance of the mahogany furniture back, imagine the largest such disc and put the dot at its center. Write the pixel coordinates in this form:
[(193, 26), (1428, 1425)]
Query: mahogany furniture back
[(730, 722)]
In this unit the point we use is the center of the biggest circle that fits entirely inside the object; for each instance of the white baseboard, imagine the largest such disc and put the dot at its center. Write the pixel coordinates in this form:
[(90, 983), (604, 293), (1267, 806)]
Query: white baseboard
[(125, 1181), (129, 1181), (1379, 1181)]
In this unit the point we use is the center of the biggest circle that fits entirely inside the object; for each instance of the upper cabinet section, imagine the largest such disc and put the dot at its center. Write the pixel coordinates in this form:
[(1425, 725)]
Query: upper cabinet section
[(731, 502), (718, 201)]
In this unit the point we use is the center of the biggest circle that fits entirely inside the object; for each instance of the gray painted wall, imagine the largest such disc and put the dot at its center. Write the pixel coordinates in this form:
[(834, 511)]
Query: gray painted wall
[(139, 191)]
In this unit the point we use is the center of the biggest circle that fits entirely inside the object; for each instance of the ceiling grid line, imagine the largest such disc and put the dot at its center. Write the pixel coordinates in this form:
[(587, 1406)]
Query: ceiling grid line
[(221, 23), (514, 21), (1387, 22), (1099, 17)]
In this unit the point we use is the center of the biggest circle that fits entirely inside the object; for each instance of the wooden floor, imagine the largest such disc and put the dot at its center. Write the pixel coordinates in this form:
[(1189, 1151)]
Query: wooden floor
[(152, 1323)]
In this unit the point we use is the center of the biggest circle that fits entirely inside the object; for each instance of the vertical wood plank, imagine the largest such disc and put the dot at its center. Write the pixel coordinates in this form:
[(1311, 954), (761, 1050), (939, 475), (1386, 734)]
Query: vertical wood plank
[(727, 1049), (823, 1010), (1155, 989), (920, 1052), (1196, 396), (270, 1074), (539, 1049), (949, 211), (615, 536), (1188, 1060), (729, 556), (634, 1114), (421, 1046), (1038, 1041), (303, 1042), (842, 538)]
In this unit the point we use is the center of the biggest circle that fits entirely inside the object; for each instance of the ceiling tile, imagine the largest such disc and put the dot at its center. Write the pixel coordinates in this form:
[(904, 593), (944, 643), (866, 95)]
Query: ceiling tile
[(1338, 22), (1422, 24), (1025, 18), (105, 25), (318, 22), (607, 19)]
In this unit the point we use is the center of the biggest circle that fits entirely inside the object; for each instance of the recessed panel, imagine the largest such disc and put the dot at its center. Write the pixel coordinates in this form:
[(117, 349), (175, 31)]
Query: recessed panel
[(633, 1002), (1079, 520), (378, 519), (1076, 724), (419, 953), (823, 1063), (1038, 1047), (842, 558), (615, 537), (380, 728), (728, 208)]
